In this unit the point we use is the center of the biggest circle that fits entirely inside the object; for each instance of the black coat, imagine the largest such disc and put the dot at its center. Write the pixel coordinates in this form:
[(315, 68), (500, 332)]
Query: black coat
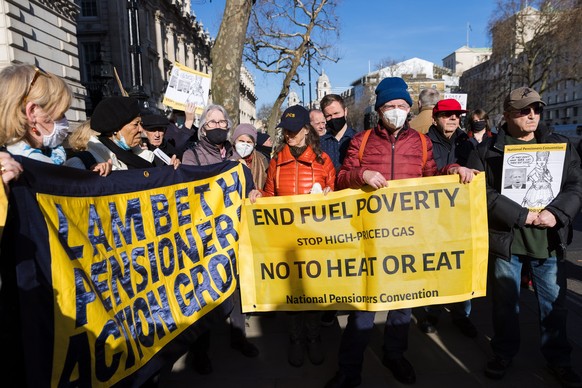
[(505, 214), (446, 151)]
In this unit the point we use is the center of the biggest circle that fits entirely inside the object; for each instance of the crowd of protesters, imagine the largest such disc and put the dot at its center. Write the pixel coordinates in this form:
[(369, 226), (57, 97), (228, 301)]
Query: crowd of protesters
[(317, 152)]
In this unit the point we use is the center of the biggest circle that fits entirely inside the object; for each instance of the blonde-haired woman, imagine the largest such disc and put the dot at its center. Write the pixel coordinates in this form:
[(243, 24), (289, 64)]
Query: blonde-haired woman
[(32, 115)]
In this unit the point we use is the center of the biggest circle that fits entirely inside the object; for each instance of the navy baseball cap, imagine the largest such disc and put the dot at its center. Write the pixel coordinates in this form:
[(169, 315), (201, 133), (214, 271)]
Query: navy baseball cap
[(294, 118)]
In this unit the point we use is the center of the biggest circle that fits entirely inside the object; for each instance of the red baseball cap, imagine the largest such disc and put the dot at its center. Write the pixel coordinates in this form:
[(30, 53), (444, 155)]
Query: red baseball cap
[(448, 105)]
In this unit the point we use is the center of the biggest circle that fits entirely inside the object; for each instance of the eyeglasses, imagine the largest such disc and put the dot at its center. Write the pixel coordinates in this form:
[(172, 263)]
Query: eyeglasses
[(216, 124), (527, 110), (449, 114), (37, 72)]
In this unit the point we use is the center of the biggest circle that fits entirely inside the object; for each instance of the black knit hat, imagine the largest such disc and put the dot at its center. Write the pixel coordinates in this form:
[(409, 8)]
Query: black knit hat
[(112, 113)]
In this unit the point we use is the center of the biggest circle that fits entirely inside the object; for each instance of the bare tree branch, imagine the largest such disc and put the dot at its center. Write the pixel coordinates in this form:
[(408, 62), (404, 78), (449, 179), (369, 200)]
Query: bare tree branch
[(278, 37)]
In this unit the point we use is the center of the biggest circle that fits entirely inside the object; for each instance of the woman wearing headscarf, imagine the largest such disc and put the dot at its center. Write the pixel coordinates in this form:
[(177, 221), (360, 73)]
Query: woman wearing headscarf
[(245, 141)]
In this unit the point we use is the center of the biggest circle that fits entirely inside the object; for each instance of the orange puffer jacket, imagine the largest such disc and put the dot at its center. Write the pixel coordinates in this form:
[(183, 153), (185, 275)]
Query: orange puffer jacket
[(288, 176)]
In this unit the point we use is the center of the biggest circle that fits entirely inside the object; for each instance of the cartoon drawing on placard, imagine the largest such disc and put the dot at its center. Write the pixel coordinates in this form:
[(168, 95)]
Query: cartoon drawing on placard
[(532, 173), (540, 192), (187, 86), (196, 93)]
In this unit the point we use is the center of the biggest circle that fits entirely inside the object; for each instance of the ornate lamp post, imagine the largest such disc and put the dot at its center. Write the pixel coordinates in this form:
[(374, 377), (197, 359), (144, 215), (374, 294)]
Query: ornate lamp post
[(137, 90)]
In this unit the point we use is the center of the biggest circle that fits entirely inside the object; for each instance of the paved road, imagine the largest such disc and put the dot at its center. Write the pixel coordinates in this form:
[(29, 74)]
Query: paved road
[(445, 358)]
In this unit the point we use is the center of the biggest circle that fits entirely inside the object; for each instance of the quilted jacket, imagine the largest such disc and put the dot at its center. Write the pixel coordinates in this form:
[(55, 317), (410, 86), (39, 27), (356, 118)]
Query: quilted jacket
[(396, 157), (288, 176)]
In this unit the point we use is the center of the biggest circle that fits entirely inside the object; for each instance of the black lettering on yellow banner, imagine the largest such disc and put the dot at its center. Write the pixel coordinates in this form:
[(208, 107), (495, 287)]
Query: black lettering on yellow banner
[(396, 247)]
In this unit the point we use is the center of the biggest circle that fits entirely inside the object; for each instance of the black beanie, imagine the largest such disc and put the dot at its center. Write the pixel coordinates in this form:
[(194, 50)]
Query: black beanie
[(112, 113)]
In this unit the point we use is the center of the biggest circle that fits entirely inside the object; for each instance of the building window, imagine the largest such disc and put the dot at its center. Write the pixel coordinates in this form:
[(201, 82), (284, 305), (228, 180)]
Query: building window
[(90, 51), (89, 8), (151, 75), (575, 111)]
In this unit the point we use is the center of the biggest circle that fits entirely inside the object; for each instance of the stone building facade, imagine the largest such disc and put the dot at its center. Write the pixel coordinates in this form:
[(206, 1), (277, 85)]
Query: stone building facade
[(169, 32), (43, 33)]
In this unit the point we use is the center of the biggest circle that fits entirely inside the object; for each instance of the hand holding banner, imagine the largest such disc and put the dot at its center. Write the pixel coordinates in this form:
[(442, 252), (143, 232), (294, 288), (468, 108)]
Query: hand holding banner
[(418, 242)]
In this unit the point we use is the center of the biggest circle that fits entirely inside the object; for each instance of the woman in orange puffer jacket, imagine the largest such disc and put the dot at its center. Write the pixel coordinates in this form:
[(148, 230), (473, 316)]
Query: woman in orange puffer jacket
[(299, 166)]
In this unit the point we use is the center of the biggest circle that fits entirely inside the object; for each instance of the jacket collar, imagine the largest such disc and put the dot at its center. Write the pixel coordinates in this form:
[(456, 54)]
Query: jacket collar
[(541, 133), (284, 157)]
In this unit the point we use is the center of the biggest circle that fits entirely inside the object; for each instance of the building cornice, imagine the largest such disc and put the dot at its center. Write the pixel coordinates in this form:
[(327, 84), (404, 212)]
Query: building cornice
[(65, 8)]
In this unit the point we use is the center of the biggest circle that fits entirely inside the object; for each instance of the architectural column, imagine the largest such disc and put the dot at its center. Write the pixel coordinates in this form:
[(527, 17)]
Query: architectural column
[(159, 29), (171, 38)]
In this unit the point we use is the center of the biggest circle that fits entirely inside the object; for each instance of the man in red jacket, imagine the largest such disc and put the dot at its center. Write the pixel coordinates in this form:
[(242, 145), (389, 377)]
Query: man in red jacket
[(391, 151)]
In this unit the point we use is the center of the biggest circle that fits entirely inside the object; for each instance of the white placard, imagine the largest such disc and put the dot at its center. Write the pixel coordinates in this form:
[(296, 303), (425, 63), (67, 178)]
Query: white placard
[(461, 97), (185, 86), (532, 173)]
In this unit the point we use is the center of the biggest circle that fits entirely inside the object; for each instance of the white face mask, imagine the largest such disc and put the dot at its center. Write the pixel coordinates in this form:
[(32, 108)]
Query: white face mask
[(60, 132), (243, 149), (396, 117)]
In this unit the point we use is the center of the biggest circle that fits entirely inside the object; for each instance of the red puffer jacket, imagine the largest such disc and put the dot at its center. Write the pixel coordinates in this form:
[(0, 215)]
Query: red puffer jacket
[(397, 157), (288, 176)]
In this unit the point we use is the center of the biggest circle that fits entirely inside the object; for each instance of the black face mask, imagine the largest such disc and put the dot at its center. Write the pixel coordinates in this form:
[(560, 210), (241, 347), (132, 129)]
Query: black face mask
[(335, 125), (217, 136), (478, 126)]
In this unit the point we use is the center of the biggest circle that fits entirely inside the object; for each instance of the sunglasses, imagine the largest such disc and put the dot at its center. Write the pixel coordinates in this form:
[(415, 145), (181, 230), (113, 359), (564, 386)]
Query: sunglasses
[(449, 114), (527, 110), (37, 72)]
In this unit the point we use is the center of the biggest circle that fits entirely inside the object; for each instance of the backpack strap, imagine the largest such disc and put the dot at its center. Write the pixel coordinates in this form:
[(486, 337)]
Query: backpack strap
[(363, 145), (367, 135), (424, 150)]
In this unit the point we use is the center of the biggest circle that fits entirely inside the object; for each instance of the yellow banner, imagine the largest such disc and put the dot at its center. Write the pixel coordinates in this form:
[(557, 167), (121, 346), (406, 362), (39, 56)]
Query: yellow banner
[(3, 207), (418, 242), (133, 271)]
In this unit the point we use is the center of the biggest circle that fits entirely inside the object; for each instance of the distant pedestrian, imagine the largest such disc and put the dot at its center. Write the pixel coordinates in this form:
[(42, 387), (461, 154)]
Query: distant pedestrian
[(317, 121), (427, 99), (336, 140)]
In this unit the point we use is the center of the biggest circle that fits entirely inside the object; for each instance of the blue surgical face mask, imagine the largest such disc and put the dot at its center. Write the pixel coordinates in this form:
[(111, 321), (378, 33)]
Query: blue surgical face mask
[(58, 135), (121, 143)]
